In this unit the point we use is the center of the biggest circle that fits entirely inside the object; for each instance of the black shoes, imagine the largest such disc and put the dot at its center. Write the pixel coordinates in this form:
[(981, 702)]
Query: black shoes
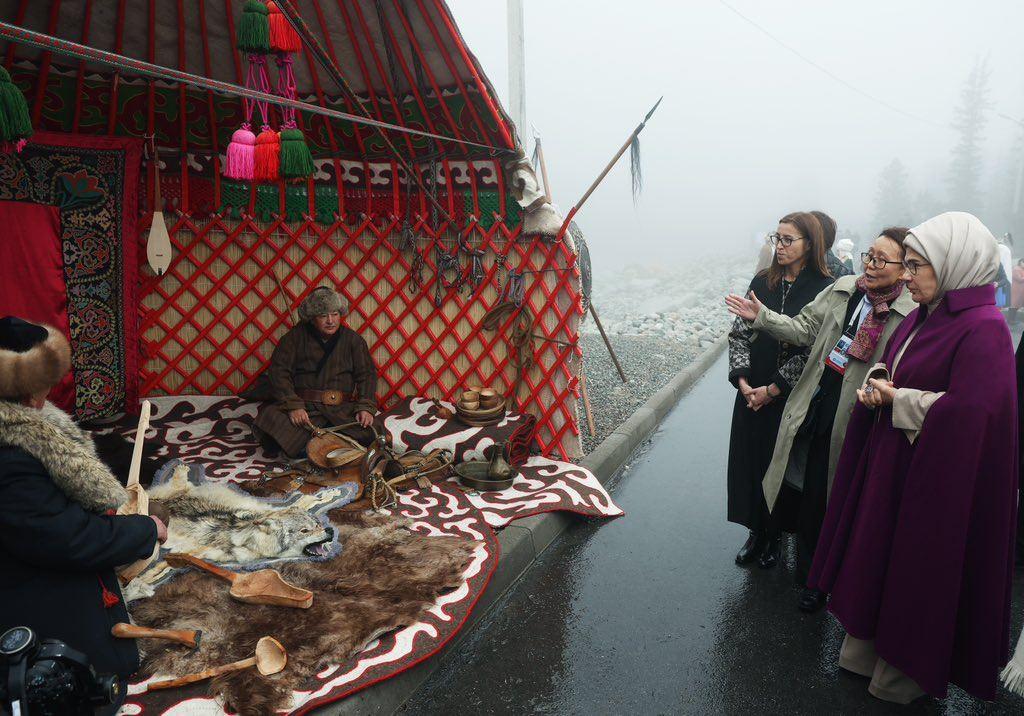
[(750, 549), (771, 553), (811, 600)]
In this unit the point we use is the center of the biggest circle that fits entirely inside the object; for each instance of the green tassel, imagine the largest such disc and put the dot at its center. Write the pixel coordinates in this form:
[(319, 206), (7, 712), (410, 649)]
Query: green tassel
[(296, 159), (15, 123), (254, 28)]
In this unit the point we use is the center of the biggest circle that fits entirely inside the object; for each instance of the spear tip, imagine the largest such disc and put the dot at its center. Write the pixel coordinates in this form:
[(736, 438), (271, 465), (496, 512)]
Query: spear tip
[(655, 107)]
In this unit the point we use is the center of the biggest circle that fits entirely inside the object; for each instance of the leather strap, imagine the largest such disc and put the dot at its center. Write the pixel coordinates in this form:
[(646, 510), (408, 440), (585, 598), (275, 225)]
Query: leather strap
[(327, 397)]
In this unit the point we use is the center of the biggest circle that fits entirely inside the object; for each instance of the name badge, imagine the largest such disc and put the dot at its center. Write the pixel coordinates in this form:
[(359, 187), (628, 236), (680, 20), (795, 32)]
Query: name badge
[(838, 358)]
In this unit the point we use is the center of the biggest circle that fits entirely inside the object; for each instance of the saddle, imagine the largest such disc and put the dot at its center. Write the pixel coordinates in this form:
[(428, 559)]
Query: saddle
[(383, 473)]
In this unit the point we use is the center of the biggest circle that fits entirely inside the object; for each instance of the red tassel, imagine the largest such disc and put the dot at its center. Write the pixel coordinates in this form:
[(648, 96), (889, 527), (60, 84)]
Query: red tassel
[(268, 156), (109, 598), (283, 37)]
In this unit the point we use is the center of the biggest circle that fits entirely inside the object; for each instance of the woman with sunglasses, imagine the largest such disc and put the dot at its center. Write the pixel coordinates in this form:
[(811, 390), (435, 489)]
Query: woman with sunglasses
[(763, 369), (917, 546), (847, 327)]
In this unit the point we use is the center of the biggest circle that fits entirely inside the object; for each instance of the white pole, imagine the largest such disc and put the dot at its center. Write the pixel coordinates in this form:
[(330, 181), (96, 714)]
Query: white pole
[(517, 68)]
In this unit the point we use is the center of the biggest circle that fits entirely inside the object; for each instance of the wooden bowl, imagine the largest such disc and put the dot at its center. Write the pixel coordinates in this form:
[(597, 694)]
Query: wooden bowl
[(469, 405), (490, 399), (470, 396)]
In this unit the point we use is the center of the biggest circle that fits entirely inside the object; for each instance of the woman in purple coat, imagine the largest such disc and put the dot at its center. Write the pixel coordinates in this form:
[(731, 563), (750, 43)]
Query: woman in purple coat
[(917, 546)]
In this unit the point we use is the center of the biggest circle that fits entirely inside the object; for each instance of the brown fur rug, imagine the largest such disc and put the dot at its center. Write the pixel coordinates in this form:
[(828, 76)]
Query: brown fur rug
[(385, 577)]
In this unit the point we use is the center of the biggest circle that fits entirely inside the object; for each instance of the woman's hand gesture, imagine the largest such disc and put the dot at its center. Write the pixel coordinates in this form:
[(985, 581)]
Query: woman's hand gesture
[(745, 308), (877, 393)]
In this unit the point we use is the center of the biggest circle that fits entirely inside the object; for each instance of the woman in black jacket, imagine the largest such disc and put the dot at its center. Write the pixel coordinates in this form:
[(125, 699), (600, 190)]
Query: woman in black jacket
[(763, 370), (59, 541)]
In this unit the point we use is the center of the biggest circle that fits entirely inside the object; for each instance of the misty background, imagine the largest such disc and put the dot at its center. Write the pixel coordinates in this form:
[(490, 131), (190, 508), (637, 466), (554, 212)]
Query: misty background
[(749, 132)]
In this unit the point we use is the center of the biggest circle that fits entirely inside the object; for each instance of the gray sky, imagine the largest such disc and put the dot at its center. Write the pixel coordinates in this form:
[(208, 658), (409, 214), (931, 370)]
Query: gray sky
[(747, 131)]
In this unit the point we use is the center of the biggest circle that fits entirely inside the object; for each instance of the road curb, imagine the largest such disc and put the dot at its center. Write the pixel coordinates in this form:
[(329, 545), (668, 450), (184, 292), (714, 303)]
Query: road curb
[(524, 540)]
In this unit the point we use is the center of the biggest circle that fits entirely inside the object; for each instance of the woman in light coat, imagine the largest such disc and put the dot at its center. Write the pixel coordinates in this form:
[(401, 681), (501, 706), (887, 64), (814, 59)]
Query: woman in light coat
[(847, 325)]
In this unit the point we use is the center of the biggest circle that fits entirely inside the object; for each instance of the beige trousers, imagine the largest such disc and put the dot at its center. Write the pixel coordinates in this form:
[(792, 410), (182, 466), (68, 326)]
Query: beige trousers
[(887, 682)]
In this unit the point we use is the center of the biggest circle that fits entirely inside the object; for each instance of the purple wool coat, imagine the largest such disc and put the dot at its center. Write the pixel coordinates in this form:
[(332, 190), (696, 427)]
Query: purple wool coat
[(917, 545)]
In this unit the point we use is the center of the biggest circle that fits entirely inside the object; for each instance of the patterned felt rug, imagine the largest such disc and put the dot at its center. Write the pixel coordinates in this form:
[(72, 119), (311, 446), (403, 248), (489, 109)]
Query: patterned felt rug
[(442, 510), (215, 430)]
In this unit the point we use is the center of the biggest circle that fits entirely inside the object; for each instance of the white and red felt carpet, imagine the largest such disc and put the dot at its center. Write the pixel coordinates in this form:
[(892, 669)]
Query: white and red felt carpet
[(215, 431)]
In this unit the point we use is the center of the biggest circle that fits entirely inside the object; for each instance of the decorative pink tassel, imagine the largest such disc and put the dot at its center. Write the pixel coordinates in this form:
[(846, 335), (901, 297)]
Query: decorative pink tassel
[(241, 161)]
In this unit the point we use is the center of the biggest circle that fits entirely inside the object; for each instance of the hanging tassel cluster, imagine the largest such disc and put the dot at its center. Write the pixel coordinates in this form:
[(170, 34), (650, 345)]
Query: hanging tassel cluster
[(15, 122), (269, 155)]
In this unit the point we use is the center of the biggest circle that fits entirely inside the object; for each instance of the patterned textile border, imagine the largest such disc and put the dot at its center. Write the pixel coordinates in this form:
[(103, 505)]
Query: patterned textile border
[(215, 429), (442, 510), (94, 182)]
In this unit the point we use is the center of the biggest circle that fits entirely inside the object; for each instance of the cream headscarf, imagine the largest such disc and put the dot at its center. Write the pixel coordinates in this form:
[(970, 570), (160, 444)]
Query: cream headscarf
[(961, 250)]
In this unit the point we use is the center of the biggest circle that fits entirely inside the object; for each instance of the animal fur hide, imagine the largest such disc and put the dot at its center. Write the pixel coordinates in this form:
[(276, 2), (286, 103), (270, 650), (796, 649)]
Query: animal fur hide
[(51, 437), (220, 523), (384, 579)]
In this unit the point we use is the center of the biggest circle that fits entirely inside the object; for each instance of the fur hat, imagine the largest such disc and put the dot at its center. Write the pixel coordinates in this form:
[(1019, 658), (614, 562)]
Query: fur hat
[(321, 301), (33, 358)]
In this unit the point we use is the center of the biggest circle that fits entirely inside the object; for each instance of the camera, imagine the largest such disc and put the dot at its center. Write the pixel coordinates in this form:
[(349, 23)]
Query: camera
[(43, 677)]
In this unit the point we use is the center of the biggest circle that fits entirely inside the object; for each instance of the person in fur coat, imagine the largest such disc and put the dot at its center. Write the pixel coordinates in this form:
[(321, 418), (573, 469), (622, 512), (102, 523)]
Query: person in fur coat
[(59, 539)]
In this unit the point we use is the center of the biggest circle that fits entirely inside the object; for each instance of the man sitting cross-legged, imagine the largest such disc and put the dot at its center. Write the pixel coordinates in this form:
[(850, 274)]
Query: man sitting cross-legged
[(320, 375)]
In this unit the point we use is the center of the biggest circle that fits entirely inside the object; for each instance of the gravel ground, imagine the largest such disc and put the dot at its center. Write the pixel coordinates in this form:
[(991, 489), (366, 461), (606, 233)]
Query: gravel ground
[(649, 363), (659, 319)]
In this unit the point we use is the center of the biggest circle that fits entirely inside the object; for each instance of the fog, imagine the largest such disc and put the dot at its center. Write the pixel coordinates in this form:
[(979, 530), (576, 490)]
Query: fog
[(748, 131)]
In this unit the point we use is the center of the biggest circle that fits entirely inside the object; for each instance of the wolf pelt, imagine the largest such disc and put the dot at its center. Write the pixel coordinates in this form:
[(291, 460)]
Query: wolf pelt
[(221, 524), (385, 578)]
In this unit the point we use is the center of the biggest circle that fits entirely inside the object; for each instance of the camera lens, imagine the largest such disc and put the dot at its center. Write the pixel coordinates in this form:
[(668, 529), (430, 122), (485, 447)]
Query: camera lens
[(108, 689)]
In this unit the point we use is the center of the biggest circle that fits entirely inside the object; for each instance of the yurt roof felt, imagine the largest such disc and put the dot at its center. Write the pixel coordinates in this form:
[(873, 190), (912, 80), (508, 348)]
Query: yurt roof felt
[(405, 60)]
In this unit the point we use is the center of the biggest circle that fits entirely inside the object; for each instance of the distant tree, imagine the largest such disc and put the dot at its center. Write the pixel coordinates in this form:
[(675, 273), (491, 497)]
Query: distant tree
[(893, 206), (969, 120)]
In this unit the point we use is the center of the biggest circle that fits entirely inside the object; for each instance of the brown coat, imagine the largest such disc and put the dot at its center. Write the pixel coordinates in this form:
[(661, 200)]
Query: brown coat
[(296, 365)]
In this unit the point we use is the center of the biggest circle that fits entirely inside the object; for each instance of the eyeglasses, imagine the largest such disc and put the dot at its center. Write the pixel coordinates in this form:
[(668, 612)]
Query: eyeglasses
[(783, 240), (877, 262), (913, 266)]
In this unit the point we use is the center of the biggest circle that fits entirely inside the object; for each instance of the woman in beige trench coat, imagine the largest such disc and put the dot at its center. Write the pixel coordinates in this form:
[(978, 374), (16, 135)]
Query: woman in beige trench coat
[(848, 326)]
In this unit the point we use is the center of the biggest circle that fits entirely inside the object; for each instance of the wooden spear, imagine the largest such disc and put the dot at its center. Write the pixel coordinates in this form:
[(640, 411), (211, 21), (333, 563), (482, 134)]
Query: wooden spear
[(579, 205), (604, 172)]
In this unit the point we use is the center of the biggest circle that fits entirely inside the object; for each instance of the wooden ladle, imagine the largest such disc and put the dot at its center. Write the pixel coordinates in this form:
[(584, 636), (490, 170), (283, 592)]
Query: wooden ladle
[(266, 586), (270, 658), (188, 637)]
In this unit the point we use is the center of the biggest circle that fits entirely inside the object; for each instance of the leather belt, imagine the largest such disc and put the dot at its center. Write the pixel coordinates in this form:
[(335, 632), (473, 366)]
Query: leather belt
[(327, 397)]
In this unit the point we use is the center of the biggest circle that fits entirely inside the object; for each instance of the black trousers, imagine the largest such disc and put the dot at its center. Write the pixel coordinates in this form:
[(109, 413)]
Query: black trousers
[(802, 512)]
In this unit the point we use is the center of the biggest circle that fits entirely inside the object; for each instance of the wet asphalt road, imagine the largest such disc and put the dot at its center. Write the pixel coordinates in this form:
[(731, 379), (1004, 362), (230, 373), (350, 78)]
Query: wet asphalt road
[(648, 614)]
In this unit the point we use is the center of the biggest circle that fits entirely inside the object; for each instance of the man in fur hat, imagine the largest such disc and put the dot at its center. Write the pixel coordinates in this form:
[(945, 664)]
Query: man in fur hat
[(59, 542), (320, 375)]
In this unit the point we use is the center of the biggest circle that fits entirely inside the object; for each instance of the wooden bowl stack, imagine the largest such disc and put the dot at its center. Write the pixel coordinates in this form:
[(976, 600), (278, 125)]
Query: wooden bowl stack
[(480, 407)]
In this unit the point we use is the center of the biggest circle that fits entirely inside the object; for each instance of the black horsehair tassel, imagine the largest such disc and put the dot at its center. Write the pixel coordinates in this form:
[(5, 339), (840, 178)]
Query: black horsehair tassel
[(635, 170)]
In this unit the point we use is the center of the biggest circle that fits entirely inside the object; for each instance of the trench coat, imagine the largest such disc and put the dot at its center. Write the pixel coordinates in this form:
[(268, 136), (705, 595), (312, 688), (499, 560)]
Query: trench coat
[(820, 325), (300, 362), (917, 546)]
